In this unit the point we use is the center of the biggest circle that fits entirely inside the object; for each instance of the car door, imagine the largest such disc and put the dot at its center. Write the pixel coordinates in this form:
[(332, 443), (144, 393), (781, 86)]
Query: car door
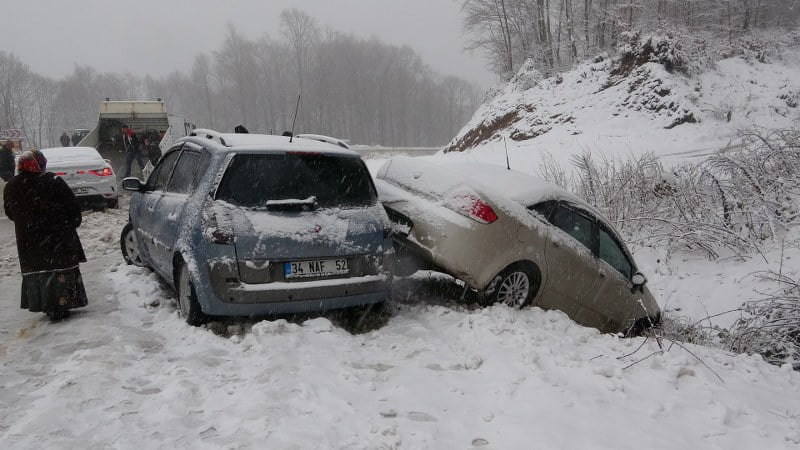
[(189, 170), (617, 299), (573, 273), (147, 216)]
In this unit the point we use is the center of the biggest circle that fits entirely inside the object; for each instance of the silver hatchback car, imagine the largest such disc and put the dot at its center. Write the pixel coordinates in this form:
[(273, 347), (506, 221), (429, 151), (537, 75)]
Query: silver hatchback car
[(245, 224)]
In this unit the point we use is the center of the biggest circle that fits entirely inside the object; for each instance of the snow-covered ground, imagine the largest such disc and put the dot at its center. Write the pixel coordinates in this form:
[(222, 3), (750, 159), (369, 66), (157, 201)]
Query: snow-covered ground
[(429, 372)]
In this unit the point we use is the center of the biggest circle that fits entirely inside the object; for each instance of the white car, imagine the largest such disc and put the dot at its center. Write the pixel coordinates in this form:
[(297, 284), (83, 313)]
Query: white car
[(89, 175)]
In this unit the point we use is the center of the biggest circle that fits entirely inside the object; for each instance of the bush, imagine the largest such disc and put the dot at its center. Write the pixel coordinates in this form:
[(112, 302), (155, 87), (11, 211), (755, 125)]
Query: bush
[(771, 326), (733, 201)]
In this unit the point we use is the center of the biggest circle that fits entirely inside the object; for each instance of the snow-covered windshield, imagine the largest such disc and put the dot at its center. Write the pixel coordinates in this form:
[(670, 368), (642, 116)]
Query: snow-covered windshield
[(253, 180)]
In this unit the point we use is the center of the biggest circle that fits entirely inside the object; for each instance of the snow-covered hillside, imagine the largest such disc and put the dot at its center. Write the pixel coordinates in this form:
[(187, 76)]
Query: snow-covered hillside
[(655, 98)]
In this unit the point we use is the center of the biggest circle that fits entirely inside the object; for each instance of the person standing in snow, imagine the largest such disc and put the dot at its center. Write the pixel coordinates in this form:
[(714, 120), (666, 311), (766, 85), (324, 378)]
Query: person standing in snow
[(132, 151), (75, 139), (64, 139), (6, 165), (46, 216), (6, 161)]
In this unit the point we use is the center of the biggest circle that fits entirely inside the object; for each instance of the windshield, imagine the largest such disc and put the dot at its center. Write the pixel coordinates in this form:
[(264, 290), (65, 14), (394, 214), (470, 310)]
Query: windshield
[(254, 180)]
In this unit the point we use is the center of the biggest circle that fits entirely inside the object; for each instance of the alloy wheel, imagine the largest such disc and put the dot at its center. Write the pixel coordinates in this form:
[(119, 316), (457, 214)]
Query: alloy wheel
[(514, 289), (132, 248)]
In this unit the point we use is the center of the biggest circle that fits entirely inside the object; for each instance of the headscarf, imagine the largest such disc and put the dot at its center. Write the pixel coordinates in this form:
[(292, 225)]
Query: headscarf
[(27, 163), (40, 159)]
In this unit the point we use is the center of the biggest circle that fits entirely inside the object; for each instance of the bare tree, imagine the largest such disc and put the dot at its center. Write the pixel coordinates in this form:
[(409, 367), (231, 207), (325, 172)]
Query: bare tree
[(302, 32)]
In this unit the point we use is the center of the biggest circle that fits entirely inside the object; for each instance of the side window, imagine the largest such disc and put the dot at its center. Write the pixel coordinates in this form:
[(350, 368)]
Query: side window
[(574, 224), (611, 252), (188, 172), (545, 208), (160, 176)]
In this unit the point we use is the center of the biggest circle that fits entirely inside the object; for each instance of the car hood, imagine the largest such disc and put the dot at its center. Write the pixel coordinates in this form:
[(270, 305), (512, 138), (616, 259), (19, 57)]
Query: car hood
[(309, 234)]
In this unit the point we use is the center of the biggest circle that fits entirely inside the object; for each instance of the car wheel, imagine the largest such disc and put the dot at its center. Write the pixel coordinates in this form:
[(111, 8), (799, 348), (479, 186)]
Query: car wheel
[(130, 246), (515, 286), (113, 204), (188, 306)]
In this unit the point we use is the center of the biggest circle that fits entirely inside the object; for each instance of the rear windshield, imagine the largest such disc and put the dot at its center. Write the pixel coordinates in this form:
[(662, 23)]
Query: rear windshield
[(253, 180)]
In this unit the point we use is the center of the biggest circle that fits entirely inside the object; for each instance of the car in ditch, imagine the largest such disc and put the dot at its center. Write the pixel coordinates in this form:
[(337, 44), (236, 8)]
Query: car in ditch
[(249, 225), (516, 240), (90, 177)]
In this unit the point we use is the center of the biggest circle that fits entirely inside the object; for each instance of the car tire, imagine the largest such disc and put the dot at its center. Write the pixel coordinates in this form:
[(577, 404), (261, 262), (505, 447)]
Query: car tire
[(188, 306), (516, 286), (130, 247), (112, 204)]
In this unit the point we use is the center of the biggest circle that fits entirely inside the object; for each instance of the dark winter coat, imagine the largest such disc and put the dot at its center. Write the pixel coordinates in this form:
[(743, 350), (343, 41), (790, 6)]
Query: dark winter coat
[(64, 140), (46, 215), (6, 163)]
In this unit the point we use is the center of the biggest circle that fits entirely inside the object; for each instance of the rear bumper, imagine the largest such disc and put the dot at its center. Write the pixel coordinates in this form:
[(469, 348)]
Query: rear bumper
[(243, 293), (292, 298), (107, 191), (225, 294)]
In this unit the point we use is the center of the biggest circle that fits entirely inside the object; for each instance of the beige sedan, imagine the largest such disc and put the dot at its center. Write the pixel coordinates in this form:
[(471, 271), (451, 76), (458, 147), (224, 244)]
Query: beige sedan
[(515, 239)]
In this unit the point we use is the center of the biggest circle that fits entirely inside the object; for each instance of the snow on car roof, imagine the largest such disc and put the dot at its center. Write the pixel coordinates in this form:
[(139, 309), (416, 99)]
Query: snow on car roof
[(70, 154), (516, 185), (438, 178)]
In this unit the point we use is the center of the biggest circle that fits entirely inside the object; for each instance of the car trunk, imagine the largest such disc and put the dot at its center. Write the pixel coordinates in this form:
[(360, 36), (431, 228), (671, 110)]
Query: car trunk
[(77, 169), (301, 208), (304, 235)]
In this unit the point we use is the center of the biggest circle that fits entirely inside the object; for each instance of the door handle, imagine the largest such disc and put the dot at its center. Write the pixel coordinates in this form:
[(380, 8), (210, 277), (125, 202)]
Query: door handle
[(602, 273)]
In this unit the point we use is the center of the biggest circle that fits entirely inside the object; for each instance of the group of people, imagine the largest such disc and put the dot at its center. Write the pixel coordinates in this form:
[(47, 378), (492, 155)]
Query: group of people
[(46, 217), (66, 140), (136, 147)]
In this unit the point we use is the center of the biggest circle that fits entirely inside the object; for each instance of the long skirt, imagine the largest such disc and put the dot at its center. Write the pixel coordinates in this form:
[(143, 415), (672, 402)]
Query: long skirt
[(53, 290)]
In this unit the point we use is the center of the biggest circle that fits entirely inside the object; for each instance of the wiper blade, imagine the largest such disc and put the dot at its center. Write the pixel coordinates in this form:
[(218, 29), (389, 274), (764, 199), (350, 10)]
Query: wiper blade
[(292, 203)]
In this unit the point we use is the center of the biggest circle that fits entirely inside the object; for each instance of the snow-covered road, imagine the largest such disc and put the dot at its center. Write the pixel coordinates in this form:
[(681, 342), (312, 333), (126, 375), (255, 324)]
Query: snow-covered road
[(126, 372)]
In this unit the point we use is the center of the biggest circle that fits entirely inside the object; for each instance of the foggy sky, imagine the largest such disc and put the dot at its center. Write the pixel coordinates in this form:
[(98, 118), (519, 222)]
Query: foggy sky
[(159, 36)]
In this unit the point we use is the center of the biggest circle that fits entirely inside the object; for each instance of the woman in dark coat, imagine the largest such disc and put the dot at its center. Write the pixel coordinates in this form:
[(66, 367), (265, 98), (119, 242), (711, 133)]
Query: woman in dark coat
[(46, 216)]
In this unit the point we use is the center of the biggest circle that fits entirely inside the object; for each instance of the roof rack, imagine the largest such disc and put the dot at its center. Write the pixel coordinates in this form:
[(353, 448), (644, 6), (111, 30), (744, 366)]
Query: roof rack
[(209, 134), (323, 138)]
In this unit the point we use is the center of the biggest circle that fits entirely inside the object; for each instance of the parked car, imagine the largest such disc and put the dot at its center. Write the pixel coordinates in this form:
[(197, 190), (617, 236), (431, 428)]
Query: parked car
[(247, 224), (516, 239), (89, 175)]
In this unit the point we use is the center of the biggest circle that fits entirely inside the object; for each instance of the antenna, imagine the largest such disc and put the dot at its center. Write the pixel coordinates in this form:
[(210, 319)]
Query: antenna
[(508, 164), (295, 117)]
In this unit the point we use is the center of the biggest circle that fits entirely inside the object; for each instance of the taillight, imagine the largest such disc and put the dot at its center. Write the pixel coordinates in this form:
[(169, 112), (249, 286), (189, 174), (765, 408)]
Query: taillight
[(217, 225), (104, 172), (60, 174), (468, 203)]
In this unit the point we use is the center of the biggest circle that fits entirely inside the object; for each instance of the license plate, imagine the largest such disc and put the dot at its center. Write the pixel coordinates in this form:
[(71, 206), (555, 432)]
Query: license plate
[(316, 268), (80, 191)]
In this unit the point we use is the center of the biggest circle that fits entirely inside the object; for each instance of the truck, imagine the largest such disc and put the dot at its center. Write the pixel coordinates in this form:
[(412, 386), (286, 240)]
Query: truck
[(147, 119)]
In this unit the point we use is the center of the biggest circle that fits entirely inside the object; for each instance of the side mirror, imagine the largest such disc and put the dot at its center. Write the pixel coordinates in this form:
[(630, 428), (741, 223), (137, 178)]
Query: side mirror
[(132, 184), (638, 279)]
